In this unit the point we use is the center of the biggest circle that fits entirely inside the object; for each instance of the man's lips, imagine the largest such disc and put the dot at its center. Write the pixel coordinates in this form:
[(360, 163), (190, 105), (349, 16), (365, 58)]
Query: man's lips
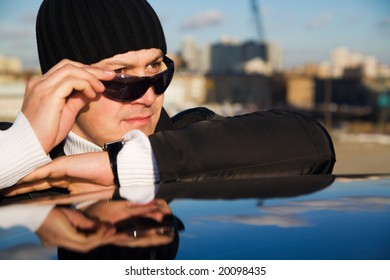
[(138, 119)]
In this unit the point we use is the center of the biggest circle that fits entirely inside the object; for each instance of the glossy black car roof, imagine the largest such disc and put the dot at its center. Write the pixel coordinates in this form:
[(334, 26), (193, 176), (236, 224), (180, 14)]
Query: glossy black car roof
[(316, 217)]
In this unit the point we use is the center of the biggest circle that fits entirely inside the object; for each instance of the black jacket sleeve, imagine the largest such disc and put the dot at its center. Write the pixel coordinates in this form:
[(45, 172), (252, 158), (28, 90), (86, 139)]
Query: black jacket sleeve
[(265, 143)]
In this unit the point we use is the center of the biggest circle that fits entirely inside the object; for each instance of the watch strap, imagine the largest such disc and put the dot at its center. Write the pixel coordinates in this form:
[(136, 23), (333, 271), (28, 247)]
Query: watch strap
[(113, 149)]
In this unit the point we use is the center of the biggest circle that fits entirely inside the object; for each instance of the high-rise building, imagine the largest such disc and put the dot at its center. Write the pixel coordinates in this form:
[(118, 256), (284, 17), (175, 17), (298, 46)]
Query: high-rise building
[(225, 56), (190, 54), (229, 57), (275, 56), (340, 58), (346, 62)]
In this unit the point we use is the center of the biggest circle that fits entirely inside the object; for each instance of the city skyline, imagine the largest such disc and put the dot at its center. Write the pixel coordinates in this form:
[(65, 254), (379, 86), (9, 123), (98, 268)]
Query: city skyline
[(307, 31)]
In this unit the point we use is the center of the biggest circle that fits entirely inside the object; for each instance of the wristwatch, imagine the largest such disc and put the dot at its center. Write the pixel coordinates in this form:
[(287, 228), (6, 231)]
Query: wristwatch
[(113, 149)]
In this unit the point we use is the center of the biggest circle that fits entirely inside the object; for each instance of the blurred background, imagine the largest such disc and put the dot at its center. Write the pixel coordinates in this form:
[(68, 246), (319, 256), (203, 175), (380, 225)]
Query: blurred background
[(327, 58)]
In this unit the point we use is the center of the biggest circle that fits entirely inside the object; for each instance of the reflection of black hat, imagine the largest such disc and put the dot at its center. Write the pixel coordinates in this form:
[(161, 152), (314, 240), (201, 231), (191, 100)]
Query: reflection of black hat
[(88, 31)]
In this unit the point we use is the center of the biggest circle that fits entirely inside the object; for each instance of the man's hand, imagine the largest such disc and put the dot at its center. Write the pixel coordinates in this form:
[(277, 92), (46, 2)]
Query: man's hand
[(60, 228), (81, 173), (52, 101)]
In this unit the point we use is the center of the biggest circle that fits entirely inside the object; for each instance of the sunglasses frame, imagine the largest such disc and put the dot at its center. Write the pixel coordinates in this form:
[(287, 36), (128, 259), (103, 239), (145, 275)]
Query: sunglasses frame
[(127, 88)]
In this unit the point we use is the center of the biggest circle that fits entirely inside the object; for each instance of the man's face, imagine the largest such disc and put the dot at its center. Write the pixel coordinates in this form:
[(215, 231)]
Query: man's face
[(105, 120)]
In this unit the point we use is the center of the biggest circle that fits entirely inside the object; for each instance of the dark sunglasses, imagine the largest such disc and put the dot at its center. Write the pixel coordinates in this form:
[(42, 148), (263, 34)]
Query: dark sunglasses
[(126, 88), (136, 226)]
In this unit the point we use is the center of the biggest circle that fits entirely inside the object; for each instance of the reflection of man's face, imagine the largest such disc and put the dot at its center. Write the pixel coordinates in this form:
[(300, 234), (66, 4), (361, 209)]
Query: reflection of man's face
[(105, 120)]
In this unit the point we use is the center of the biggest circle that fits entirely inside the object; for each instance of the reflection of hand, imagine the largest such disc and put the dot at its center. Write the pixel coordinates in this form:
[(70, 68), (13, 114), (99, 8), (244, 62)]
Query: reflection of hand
[(60, 229), (78, 173), (53, 100), (115, 211)]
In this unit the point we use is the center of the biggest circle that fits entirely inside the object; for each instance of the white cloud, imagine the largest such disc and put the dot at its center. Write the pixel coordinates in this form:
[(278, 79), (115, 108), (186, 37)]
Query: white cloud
[(205, 19), (289, 214), (285, 221)]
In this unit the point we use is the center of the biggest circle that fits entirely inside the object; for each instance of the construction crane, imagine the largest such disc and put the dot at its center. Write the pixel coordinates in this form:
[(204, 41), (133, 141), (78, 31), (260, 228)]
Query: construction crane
[(255, 7)]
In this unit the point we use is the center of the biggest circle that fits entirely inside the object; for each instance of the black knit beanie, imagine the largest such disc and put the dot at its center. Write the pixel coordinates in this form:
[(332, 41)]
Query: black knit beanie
[(88, 31)]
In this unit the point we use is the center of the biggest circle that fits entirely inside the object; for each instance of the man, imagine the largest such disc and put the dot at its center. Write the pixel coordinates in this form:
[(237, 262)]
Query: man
[(105, 71), (60, 100)]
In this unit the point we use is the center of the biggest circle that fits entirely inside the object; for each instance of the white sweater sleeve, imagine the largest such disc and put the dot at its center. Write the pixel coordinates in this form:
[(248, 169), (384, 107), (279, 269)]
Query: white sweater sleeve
[(30, 216), (137, 168), (20, 152)]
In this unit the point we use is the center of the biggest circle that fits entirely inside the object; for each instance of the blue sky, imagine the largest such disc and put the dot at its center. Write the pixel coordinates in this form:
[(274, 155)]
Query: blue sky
[(306, 30)]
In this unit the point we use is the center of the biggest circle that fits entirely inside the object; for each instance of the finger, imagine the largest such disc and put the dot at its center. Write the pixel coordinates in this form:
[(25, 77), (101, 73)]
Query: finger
[(75, 103), (98, 234), (84, 243), (89, 170), (78, 219), (140, 209), (101, 74), (51, 171), (61, 64), (155, 215), (58, 230), (38, 174), (62, 82), (26, 188), (68, 78), (85, 86)]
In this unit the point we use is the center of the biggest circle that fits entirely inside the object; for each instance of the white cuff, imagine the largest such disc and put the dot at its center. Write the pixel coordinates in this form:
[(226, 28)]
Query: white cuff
[(20, 153), (30, 216), (137, 168)]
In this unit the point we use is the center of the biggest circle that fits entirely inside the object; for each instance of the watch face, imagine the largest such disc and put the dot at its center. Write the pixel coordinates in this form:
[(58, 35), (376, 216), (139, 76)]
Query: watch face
[(113, 145)]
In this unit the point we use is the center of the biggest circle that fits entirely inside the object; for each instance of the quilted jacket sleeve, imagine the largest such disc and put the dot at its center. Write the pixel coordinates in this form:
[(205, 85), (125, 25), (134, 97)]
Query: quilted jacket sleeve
[(206, 146)]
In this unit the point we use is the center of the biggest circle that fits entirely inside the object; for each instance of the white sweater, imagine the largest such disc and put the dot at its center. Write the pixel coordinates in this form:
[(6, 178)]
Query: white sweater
[(22, 153)]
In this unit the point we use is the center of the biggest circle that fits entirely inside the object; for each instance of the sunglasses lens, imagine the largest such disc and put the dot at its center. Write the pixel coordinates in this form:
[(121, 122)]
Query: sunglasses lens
[(130, 88), (162, 83), (125, 92)]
